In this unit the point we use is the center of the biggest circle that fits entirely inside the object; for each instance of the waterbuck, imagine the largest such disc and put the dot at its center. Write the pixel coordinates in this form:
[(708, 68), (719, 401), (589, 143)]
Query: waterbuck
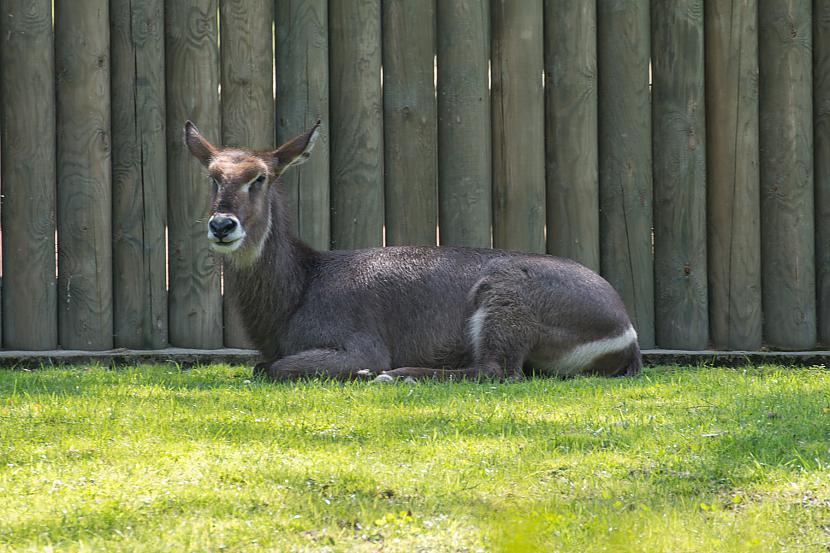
[(441, 312)]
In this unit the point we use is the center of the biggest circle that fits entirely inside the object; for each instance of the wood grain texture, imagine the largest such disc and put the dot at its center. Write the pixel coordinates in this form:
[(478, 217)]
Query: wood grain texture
[(192, 72), (82, 66), (247, 101), (679, 150), (302, 30), (464, 137), (732, 174), (821, 118), (139, 174), (409, 122), (625, 173), (571, 131), (357, 212), (247, 73), (27, 124), (518, 125), (786, 150)]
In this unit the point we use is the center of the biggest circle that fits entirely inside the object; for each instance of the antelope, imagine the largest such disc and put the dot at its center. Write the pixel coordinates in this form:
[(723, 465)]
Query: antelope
[(443, 312)]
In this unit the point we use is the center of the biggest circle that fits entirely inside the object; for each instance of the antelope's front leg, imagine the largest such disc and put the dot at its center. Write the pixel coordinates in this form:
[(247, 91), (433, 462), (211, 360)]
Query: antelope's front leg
[(490, 371), (326, 363)]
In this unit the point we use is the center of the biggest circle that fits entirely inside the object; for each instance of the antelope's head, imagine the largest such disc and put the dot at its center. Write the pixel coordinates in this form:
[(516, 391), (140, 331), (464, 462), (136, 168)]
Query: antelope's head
[(240, 213)]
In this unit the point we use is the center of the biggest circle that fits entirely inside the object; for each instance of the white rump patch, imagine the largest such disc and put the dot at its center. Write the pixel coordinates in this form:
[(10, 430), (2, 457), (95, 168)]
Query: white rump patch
[(476, 325), (584, 354)]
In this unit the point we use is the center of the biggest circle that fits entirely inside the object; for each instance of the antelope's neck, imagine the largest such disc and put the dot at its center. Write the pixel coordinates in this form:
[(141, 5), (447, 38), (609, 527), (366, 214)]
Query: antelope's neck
[(269, 290)]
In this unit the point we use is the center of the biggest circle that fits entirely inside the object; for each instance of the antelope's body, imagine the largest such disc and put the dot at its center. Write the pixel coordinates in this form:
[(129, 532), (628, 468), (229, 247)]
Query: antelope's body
[(400, 311)]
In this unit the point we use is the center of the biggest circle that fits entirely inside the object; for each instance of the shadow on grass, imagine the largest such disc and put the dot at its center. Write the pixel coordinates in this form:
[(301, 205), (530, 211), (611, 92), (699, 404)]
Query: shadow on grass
[(64, 380), (77, 380), (688, 437)]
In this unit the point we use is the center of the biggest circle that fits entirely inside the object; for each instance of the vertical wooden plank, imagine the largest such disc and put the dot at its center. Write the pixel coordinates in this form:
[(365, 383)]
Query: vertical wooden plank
[(139, 174), (84, 174), (625, 177), (679, 150), (821, 107), (518, 125), (409, 122), (27, 109), (302, 30), (356, 124), (464, 138), (571, 130), (192, 72), (786, 120), (732, 174), (247, 102), (247, 73)]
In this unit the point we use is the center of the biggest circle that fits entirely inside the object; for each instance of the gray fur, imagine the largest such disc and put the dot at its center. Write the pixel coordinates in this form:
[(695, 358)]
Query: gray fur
[(406, 311)]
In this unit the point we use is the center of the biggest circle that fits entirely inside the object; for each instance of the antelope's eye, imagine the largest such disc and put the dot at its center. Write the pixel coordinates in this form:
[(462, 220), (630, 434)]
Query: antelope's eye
[(254, 186), (215, 186)]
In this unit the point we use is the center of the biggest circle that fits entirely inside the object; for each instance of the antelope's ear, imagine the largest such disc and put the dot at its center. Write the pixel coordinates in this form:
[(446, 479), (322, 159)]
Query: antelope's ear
[(201, 149), (296, 151)]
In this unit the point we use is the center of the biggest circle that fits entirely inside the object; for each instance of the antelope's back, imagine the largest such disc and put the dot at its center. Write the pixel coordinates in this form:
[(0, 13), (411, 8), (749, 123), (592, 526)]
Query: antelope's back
[(418, 300)]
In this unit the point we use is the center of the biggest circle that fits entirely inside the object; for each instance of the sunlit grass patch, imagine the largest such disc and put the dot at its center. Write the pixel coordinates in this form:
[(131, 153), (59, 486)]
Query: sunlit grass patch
[(157, 459)]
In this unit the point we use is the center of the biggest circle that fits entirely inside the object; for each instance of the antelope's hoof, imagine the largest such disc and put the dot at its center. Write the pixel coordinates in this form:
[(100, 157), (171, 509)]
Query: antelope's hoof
[(364, 374), (384, 378)]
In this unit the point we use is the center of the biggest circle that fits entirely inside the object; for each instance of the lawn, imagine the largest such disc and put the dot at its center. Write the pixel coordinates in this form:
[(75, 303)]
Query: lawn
[(160, 459)]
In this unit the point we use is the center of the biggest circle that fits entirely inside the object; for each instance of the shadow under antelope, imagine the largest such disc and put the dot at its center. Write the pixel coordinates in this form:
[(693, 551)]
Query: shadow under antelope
[(441, 312)]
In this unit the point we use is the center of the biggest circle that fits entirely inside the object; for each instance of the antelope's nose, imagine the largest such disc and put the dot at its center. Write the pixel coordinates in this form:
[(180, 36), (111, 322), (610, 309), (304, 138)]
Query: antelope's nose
[(221, 226)]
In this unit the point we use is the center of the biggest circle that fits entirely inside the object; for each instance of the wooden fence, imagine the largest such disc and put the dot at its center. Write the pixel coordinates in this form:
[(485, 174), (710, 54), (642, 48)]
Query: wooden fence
[(680, 148)]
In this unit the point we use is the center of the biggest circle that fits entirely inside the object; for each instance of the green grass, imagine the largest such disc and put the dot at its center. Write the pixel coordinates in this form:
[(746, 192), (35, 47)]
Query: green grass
[(157, 459)]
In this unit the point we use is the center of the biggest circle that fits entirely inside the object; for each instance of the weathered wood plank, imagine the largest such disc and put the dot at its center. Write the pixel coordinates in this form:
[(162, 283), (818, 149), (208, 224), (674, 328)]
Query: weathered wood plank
[(571, 131), (786, 144), (679, 149), (409, 122), (625, 173), (357, 214), (247, 101), (82, 66), (821, 118), (732, 174), (27, 109), (139, 174), (302, 30), (464, 138), (518, 125), (247, 73), (192, 72)]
